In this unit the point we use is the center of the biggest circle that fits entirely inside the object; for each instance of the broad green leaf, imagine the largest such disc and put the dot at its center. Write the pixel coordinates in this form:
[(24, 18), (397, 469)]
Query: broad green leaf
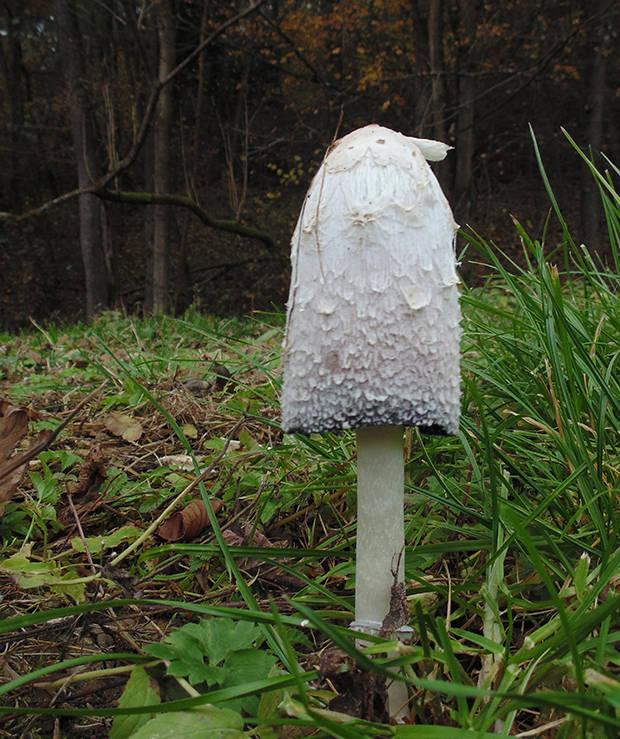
[(28, 574), (249, 442), (208, 722), (69, 584), (246, 666), (221, 636), (216, 651), (268, 708), (186, 657), (140, 690)]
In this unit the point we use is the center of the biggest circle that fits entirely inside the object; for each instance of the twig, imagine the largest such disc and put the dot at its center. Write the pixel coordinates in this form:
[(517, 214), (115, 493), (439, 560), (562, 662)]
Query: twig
[(81, 532)]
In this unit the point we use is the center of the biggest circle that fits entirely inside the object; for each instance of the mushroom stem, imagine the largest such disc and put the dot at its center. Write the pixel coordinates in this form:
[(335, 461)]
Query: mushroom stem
[(380, 533)]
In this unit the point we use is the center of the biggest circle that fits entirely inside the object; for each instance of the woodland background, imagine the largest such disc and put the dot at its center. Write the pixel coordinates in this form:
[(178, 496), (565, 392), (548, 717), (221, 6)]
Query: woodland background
[(155, 153)]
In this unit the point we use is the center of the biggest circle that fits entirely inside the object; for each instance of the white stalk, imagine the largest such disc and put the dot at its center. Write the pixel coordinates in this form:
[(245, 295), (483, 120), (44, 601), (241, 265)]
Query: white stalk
[(380, 533)]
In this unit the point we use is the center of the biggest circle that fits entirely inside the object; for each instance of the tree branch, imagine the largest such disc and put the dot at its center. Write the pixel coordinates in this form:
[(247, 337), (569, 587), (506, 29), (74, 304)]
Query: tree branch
[(157, 86), (183, 201)]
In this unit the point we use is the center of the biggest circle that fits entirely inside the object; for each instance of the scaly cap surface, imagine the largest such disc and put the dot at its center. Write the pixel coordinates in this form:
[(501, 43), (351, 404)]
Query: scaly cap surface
[(373, 320)]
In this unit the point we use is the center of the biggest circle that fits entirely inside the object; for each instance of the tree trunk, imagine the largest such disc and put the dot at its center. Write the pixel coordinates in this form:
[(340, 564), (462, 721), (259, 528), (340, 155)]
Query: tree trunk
[(435, 51), (161, 165), (464, 191), (11, 67), (421, 97), (149, 225), (438, 90), (597, 93), (84, 148), (182, 288)]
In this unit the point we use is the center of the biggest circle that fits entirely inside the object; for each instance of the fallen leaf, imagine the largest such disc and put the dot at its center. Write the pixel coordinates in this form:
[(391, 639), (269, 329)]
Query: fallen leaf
[(13, 428), (12, 468), (250, 536), (120, 424), (182, 461), (190, 430), (187, 524)]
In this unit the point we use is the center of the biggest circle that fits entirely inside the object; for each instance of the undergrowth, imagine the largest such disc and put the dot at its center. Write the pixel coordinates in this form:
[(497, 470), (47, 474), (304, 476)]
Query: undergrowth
[(512, 558)]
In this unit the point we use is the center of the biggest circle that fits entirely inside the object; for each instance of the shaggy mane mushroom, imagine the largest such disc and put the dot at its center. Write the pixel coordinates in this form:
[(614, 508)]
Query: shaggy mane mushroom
[(373, 333)]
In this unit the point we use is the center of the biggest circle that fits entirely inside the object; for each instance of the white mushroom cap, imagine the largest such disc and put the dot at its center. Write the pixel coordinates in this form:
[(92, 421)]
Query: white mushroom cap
[(373, 322)]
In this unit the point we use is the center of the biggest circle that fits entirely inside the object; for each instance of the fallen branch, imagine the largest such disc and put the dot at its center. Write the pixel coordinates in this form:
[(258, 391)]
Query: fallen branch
[(184, 201)]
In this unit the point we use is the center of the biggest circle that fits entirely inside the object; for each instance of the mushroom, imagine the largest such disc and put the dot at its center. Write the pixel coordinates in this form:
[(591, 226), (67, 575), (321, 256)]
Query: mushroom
[(373, 332)]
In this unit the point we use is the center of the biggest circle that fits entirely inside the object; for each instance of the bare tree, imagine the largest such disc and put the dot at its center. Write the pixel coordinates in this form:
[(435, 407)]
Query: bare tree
[(467, 67), (597, 93), (91, 242), (93, 184), (12, 69), (161, 151)]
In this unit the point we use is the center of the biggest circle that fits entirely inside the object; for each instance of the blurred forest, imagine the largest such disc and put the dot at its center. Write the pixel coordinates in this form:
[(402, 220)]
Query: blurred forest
[(155, 153)]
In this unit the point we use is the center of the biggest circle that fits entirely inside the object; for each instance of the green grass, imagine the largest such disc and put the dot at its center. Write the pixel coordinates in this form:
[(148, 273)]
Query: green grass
[(512, 560)]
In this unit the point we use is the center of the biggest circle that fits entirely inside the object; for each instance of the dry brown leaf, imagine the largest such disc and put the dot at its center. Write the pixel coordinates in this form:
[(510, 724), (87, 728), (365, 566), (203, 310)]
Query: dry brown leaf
[(12, 468), (233, 538), (253, 537), (13, 428), (120, 424), (8, 485), (188, 523)]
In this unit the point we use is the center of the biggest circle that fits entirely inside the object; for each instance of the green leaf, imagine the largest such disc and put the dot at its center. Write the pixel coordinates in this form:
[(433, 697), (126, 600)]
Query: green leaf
[(247, 666), (97, 544), (581, 575), (207, 722), (268, 708), (43, 574), (140, 690), (217, 651), (28, 574), (249, 442), (186, 657), (222, 636)]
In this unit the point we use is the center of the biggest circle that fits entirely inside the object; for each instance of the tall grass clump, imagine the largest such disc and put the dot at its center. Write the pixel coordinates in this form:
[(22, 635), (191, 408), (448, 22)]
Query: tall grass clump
[(540, 430), (512, 557)]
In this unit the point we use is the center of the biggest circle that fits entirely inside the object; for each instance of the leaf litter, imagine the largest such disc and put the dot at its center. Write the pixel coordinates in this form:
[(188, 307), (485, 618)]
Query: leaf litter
[(82, 525), (112, 462)]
